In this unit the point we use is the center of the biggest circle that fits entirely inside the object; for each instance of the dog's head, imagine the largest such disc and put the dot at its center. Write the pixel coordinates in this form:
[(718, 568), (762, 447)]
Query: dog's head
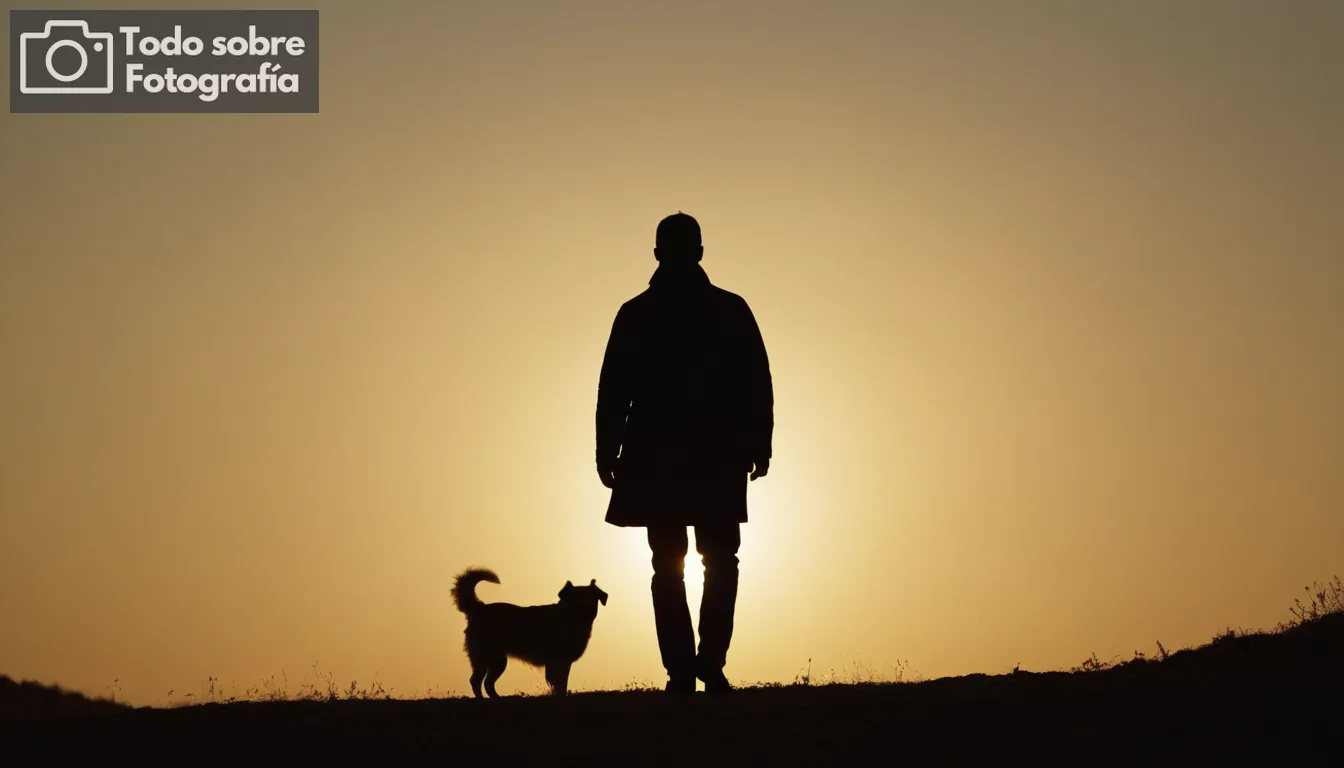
[(587, 597)]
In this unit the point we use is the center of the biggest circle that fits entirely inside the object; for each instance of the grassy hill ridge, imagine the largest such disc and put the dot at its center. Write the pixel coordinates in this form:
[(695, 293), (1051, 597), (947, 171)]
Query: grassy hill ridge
[(1271, 694)]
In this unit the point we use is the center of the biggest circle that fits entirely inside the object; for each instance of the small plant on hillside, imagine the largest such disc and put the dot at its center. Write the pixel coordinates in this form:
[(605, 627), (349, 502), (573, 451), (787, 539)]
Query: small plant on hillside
[(374, 690), (860, 673), (433, 692), (270, 690), (1322, 600), (324, 688), (1093, 664), (804, 676)]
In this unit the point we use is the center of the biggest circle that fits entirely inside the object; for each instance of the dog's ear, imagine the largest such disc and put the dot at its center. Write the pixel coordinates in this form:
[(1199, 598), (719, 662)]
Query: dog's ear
[(601, 596), (564, 592)]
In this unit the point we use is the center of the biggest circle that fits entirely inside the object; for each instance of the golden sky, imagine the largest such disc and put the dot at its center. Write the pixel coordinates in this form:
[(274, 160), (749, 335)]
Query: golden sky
[(1053, 294)]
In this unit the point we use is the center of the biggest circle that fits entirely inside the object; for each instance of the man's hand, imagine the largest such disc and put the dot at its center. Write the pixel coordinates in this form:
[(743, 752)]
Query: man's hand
[(762, 467), (607, 474)]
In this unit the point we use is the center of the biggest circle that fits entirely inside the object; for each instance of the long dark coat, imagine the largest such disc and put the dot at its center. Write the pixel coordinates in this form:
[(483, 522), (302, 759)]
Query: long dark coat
[(685, 403)]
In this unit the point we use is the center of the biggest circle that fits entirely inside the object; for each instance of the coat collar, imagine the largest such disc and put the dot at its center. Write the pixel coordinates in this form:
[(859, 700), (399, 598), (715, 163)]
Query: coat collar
[(679, 276)]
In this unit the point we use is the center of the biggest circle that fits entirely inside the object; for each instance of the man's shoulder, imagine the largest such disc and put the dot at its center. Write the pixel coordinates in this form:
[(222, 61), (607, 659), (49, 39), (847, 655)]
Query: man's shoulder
[(730, 305), (726, 296), (635, 303)]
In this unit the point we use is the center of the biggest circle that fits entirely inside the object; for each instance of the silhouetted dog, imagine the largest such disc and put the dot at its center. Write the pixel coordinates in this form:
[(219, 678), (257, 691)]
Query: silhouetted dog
[(550, 636)]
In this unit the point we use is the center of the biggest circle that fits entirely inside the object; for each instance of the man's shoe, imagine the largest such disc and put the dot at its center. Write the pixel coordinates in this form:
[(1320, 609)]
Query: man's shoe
[(715, 681), (680, 685)]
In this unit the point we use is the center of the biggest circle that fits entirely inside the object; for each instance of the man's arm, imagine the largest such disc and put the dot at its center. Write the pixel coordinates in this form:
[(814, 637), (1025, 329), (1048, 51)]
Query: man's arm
[(760, 397), (613, 398)]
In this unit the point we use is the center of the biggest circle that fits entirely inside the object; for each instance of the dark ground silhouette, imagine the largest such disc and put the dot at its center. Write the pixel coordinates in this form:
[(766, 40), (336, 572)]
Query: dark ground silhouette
[(1276, 697), (24, 702)]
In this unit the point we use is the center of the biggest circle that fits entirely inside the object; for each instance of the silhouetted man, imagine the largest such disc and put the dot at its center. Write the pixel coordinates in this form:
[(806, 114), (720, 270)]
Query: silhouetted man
[(685, 414)]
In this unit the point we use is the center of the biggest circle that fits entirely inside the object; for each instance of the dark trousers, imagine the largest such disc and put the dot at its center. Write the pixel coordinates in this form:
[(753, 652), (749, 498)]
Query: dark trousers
[(717, 546)]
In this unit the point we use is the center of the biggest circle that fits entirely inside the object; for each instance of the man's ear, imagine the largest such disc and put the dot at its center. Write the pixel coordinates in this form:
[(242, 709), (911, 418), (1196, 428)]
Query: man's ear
[(569, 587)]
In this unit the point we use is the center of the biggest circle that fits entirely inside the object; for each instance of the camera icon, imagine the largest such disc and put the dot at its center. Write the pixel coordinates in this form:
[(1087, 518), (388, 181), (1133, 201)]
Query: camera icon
[(57, 35)]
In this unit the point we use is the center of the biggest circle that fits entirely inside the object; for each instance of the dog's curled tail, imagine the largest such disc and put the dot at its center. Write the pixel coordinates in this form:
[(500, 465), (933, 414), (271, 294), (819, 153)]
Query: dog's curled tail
[(464, 588)]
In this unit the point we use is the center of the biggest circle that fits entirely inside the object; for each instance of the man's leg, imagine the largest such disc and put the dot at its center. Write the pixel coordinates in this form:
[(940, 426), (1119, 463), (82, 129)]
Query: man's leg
[(717, 545), (676, 636)]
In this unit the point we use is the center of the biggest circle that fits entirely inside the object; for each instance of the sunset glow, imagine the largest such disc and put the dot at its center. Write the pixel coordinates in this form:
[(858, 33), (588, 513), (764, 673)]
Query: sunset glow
[(1053, 295)]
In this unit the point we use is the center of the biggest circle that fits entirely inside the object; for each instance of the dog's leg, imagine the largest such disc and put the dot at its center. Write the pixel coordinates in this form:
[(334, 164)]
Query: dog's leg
[(477, 659), (477, 675), (557, 675), (497, 667)]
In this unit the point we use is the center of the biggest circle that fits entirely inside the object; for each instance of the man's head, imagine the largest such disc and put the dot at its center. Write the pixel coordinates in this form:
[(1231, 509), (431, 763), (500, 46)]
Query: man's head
[(678, 240)]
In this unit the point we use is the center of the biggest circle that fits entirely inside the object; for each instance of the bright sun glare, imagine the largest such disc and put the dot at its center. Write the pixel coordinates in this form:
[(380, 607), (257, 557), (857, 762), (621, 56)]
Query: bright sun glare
[(642, 568), (695, 573)]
